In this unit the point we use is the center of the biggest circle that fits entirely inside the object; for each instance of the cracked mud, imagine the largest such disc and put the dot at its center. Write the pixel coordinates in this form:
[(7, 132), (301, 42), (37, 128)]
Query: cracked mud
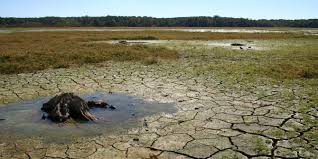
[(211, 122)]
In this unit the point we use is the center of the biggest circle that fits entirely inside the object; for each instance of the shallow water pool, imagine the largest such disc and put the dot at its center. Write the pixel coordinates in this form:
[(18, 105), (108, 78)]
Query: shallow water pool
[(24, 119)]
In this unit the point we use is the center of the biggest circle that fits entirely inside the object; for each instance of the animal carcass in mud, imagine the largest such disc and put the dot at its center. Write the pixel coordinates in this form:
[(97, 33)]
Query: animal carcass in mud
[(67, 105)]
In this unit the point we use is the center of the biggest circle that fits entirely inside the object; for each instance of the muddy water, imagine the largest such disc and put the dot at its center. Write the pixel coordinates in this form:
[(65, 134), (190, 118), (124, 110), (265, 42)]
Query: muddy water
[(4, 31), (24, 119)]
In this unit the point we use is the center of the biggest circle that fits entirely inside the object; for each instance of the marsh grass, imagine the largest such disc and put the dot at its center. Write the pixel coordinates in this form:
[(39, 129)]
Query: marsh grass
[(32, 51), (27, 52), (289, 62)]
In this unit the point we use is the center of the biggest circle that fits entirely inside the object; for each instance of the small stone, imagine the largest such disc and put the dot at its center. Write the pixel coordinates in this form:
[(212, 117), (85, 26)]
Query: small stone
[(43, 117), (237, 44), (111, 107), (145, 124), (124, 42), (165, 95)]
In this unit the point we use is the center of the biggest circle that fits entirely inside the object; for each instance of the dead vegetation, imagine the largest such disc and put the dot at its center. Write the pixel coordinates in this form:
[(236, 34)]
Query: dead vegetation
[(32, 51), (27, 52)]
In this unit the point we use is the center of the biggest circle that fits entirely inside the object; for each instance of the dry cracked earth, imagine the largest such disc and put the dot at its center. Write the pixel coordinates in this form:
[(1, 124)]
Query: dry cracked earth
[(211, 122)]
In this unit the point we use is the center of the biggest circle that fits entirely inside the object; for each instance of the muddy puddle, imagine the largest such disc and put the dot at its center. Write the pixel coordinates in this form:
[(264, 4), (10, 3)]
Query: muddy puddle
[(4, 31), (24, 119), (247, 45)]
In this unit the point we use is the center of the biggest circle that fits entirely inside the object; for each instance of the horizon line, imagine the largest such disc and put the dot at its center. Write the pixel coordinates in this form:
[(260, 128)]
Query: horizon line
[(161, 17)]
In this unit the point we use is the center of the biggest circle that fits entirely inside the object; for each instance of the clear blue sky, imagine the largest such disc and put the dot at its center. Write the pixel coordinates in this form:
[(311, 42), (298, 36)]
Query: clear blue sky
[(256, 9)]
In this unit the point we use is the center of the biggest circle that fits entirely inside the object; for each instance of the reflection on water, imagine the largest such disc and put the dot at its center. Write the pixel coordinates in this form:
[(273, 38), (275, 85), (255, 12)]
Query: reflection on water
[(24, 119)]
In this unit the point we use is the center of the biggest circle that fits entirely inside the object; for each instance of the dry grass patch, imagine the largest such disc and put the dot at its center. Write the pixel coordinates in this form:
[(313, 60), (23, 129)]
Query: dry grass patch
[(27, 52), (31, 51)]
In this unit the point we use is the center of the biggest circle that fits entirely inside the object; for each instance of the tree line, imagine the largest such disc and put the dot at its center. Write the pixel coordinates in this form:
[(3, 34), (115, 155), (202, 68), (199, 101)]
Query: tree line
[(133, 21)]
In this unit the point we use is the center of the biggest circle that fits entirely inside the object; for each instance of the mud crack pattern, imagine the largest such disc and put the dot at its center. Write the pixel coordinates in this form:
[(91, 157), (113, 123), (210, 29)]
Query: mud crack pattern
[(211, 122)]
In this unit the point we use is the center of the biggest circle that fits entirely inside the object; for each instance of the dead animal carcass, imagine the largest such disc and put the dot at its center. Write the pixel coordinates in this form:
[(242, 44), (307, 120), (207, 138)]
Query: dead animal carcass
[(67, 105)]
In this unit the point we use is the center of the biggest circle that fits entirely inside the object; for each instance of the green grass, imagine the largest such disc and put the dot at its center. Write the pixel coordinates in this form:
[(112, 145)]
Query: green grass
[(287, 63), (260, 146)]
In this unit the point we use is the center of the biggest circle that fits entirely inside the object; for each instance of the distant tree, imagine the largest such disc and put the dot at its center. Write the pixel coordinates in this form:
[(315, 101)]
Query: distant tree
[(133, 21)]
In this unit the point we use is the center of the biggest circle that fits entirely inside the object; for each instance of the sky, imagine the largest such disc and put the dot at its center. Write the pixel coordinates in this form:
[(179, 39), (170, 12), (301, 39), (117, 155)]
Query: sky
[(253, 9)]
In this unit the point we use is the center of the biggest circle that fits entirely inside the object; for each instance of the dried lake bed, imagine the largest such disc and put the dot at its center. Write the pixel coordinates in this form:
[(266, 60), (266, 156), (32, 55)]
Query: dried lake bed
[(214, 114)]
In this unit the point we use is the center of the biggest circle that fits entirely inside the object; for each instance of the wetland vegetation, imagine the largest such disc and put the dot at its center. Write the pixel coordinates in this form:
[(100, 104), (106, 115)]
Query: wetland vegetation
[(33, 51), (258, 101)]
